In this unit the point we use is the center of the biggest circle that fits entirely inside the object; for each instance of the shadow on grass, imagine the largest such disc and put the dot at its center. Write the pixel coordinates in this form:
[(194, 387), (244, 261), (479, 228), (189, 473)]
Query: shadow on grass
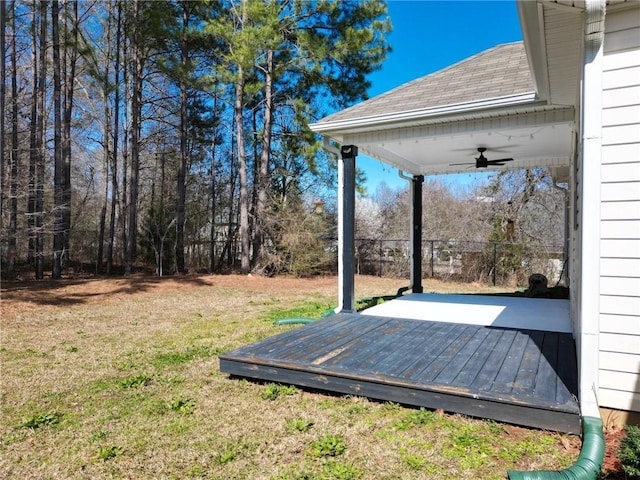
[(55, 292)]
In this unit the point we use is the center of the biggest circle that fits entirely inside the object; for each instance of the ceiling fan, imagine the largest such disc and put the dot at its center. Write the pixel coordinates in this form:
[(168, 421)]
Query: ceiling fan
[(483, 162)]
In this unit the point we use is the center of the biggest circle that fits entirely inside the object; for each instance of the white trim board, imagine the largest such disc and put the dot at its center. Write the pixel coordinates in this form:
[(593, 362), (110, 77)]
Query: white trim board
[(544, 314)]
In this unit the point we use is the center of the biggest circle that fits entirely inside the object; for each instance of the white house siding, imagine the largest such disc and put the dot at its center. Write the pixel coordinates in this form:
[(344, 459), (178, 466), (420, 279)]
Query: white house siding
[(619, 360)]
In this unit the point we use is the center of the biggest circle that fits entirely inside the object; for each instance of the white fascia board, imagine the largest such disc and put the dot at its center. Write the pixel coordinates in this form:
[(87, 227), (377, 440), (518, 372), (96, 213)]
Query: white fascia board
[(532, 25), (423, 114)]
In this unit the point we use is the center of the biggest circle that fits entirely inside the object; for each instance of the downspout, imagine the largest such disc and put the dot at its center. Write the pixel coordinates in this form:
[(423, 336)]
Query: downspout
[(589, 463), (412, 248), (591, 153), (565, 237)]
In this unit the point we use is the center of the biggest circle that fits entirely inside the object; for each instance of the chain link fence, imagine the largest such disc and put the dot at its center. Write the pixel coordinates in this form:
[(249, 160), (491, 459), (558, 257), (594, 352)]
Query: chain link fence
[(483, 262), (507, 264)]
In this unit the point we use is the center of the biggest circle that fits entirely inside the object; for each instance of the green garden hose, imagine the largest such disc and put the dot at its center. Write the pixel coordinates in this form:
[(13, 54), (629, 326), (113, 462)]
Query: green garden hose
[(301, 320), (589, 462), (294, 321)]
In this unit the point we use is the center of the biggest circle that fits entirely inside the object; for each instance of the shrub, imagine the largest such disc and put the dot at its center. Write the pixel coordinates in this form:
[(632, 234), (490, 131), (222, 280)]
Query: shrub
[(629, 452)]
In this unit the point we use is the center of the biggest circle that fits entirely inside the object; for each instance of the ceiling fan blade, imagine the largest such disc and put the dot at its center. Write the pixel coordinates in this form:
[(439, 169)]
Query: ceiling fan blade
[(495, 162), (456, 164)]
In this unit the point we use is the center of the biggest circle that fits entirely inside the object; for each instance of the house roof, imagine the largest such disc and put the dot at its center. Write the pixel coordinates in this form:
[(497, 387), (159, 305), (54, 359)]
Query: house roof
[(501, 71), (435, 124)]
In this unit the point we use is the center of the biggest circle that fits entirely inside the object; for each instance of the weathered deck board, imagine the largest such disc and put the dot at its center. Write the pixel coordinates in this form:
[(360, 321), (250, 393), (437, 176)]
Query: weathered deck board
[(566, 371), (506, 377), (462, 357), (547, 379), (477, 361), (517, 376), (439, 339), (486, 377)]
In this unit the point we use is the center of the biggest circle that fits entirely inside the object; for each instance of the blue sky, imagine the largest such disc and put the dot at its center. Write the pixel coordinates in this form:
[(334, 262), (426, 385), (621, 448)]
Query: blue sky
[(428, 36)]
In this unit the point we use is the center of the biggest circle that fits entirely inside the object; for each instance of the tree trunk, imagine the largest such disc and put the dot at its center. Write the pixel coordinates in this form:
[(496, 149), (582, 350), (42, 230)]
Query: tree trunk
[(212, 228), (3, 96), (242, 171), (40, 140), (182, 170), (242, 161), (212, 231), (106, 136), (33, 142), (232, 221), (58, 175), (136, 113), (106, 133), (124, 203), (116, 139), (13, 156), (263, 166), (71, 60)]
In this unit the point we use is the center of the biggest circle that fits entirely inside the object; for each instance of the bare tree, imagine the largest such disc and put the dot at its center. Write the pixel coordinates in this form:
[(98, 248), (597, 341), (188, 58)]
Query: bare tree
[(182, 169), (3, 97), (115, 140), (137, 62), (40, 146), (70, 60), (160, 221), (13, 155), (58, 176)]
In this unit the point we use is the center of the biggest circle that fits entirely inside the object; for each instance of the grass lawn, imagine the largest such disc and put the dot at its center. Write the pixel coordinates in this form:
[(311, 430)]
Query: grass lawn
[(118, 378)]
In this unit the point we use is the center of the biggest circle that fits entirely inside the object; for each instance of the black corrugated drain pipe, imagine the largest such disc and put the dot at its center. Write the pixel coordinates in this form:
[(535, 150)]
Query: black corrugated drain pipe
[(589, 462)]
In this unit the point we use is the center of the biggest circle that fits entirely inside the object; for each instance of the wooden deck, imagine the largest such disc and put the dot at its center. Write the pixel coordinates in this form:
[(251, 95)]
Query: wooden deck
[(524, 377)]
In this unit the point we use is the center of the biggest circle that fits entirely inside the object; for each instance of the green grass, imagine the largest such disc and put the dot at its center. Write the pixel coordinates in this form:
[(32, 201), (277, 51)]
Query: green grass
[(41, 420), (185, 406), (305, 309), (107, 453), (177, 358), (328, 446), (299, 424), (417, 418), (136, 381), (129, 386), (274, 390)]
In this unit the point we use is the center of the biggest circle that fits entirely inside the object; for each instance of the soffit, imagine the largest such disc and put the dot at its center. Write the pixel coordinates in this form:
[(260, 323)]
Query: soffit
[(533, 137), (554, 33)]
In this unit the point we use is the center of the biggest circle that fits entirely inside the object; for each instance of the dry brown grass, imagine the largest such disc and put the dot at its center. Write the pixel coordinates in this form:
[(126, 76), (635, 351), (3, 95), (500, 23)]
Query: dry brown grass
[(119, 378)]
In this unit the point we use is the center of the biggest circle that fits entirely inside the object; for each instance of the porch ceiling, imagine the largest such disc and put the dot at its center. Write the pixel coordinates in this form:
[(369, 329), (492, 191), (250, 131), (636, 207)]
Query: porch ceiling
[(532, 139)]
